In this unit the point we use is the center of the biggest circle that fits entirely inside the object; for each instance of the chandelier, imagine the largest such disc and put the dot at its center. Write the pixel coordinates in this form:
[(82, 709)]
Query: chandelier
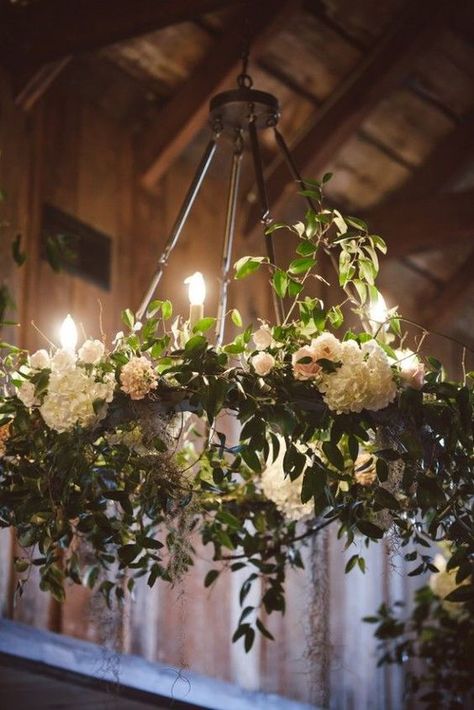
[(240, 114)]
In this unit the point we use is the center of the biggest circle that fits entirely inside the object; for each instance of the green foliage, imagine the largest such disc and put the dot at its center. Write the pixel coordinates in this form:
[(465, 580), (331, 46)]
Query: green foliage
[(136, 507)]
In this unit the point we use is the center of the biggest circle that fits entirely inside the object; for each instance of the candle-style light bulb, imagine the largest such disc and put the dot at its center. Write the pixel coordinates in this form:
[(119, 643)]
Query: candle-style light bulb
[(68, 334), (378, 314), (197, 294)]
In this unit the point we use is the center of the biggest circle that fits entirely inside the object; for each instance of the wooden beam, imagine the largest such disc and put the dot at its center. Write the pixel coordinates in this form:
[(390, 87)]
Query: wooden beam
[(446, 162), (420, 223), (37, 33), (379, 71), (451, 298), (29, 90), (186, 112)]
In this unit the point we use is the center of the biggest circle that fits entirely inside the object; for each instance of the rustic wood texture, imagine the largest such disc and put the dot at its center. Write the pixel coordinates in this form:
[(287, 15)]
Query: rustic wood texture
[(37, 33), (378, 72), (182, 117)]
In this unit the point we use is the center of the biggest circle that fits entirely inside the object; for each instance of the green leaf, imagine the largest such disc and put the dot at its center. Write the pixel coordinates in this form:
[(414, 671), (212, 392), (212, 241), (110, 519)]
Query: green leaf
[(128, 318), (248, 265), (263, 630), (306, 248), (461, 594), (333, 455), (211, 577), (300, 266), (369, 529), (351, 563), (167, 310), (204, 324), (294, 288), (280, 282), (236, 318)]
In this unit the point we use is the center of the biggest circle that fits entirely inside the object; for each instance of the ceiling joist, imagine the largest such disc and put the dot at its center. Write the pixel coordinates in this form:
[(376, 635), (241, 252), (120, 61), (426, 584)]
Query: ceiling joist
[(186, 112), (40, 32), (378, 72), (421, 223), (447, 304), (445, 163)]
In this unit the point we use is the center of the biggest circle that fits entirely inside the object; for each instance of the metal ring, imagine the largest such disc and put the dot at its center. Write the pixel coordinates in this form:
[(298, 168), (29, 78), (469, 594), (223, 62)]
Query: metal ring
[(245, 81)]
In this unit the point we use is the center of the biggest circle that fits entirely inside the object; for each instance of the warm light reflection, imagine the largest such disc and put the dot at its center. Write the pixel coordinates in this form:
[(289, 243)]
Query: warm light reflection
[(378, 313), (68, 334), (196, 289)]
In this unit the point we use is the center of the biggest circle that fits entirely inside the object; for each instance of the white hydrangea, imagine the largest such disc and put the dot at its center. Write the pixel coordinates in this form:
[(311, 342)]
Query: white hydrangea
[(63, 360), (279, 488), (444, 582), (91, 352), (70, 398), (364, 380), (40, 360)]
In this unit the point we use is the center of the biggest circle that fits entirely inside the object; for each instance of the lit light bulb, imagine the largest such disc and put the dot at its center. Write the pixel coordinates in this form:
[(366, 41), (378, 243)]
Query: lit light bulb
[(68, 334), (196, 289), (378, 314), (197, 294)]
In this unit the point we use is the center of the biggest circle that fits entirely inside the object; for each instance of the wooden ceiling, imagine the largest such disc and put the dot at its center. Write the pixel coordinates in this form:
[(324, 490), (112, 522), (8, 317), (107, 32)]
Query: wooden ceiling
[(379, 92)]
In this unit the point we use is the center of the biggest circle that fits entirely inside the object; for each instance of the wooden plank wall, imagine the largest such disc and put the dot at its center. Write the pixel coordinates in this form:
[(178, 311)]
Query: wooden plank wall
[(70, 154)]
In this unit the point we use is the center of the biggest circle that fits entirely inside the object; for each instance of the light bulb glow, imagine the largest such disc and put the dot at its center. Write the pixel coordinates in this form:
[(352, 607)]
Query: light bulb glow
[(378, 312), (196, 289), (68, 334)]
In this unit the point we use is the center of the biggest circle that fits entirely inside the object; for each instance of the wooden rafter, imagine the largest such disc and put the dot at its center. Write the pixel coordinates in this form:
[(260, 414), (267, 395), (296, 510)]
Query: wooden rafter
[(445, 163), (29, 89), (41, 32), (452, 296), (420, 223), (380, 70), (186, 112)]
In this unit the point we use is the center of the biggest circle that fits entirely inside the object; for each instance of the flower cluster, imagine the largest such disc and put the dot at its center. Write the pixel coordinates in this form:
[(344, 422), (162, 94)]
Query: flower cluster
[(4, 436), (138, 377), (362, 377), (77, 392)]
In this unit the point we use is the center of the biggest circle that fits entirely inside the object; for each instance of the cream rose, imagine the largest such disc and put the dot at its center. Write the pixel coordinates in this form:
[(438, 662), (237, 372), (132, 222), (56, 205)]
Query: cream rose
[(412, 370), (263, 363), (305, 370), (26, 394), (326, 346), (91, 352), (40, 360), (262, 337), (364, 469)]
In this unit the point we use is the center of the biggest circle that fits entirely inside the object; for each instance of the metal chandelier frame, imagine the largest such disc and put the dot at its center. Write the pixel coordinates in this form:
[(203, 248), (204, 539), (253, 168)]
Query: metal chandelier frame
[(242, 112)]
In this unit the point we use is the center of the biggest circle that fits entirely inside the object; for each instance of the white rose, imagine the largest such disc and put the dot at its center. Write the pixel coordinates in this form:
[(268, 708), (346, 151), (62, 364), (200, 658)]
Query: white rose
[(262, 337), (26, 394), (40, 360), (91, 352), (63, 360), (263, 363), (305, 370), (412, 371), (326, 346)]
